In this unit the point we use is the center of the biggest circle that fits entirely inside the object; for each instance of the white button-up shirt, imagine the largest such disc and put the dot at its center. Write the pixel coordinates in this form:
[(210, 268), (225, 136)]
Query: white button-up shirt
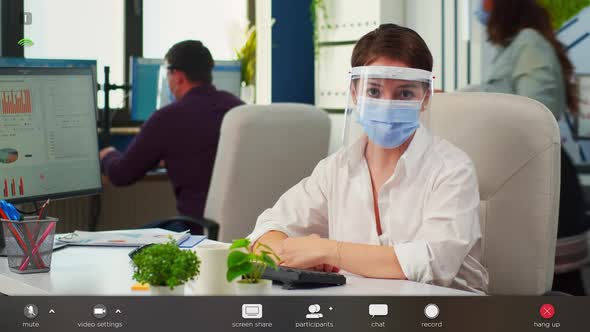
[(428, 210)]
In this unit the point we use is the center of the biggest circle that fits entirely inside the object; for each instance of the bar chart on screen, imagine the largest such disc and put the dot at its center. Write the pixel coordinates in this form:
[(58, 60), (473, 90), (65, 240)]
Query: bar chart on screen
[(16, 108), (16, 102)]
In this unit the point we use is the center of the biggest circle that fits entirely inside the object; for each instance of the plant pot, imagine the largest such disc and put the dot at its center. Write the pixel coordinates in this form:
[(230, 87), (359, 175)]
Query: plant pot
[(166, 291), (262, 287), (247, 94), (210, 280)]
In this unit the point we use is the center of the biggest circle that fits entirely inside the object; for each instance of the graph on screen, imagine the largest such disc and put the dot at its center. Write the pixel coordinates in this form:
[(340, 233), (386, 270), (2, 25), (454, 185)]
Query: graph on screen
[(16, 102)]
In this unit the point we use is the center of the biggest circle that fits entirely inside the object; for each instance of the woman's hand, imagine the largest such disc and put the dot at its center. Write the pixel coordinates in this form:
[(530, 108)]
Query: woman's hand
[(308, 252)]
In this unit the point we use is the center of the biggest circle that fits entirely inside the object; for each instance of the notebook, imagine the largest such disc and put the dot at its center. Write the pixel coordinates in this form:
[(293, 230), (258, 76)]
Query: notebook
[(122, 238)]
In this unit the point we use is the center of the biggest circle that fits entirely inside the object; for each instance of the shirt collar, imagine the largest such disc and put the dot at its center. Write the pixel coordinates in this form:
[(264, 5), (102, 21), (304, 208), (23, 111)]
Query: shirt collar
[(409, 161), (202, 89)]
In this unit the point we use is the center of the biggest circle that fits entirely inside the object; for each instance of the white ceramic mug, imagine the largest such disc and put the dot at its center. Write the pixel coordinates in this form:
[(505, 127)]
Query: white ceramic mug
[(211, 279)]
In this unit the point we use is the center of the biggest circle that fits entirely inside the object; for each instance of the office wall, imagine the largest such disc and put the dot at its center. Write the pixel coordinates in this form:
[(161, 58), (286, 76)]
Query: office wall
[(293, 55), (339, 28), (263, 51), (0, 25), (454, 37)]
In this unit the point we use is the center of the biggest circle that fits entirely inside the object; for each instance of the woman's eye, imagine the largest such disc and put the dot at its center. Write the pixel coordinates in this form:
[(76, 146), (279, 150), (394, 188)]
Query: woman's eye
[(407, 94), (373, 92)]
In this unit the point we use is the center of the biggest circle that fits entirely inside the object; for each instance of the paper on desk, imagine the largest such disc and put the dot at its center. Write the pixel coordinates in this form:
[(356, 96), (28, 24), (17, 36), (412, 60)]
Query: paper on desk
[(122, 238)]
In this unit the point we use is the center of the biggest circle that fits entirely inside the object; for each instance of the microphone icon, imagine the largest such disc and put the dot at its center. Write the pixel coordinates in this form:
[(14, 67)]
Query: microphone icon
[(31, 311)]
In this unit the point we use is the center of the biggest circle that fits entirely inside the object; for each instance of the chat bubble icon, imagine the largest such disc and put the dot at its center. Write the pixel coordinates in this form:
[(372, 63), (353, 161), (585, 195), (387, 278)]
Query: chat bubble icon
[(378, 310)]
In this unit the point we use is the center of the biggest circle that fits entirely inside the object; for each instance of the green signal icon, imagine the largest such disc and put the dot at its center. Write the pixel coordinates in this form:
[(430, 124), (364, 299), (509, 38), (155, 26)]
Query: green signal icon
[(26, 42)]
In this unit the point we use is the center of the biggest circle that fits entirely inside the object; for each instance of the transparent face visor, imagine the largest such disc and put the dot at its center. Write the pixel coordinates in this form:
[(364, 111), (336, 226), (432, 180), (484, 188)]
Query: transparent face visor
[(387, 104), (164, 97)]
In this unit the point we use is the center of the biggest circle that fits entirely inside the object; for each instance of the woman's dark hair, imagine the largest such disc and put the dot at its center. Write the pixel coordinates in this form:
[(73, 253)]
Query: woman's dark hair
[(394, 42), (192, 58), (509, 17)]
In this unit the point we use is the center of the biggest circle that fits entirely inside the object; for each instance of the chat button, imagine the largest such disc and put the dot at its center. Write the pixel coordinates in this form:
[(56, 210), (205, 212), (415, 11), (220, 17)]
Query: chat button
[(377, 310)]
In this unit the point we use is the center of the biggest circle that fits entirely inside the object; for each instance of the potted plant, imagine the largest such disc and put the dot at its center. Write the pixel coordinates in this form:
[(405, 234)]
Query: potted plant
[(563, 10), (165, 267), (247, 57), (316, 8), (250, 262)]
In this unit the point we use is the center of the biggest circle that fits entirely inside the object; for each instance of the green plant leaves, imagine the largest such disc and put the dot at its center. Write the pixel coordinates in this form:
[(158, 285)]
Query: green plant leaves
[(249, 263), (165, 265), (236, 258), (563, 10), (240, 243), (267, 259), (247, 57), (315, 7), (239, 270)]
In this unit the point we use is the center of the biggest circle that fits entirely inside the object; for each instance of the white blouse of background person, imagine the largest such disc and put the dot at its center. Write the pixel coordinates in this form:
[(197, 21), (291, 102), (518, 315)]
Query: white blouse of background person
[(428, 210)]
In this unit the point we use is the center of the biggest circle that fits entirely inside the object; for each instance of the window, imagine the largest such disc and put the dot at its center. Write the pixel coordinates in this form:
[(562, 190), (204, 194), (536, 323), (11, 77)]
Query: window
[(219, 24), (89, 29)]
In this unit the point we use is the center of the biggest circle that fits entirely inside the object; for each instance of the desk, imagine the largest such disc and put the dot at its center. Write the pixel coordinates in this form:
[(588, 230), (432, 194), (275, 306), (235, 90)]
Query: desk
[(129, 131), (94, 271)]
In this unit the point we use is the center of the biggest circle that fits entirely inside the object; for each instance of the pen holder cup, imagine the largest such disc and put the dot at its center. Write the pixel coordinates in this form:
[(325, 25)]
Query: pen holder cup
[(29, 244), (2, 243)]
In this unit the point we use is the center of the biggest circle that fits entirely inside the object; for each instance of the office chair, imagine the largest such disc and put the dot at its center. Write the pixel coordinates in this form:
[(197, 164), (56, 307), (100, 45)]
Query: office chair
[(263, 151), (514, 143)]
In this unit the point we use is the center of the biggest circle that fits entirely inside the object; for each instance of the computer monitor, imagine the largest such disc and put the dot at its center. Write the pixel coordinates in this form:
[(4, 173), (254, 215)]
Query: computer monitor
[(227, 76), (48, 135), (144, 75), (31, 62)]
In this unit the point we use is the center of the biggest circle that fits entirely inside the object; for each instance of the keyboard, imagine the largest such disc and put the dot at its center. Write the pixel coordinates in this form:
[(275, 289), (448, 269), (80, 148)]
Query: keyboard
[(297, 278)]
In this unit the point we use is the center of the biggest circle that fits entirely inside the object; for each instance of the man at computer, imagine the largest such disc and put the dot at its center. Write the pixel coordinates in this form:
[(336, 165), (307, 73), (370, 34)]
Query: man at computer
[(183, 134)]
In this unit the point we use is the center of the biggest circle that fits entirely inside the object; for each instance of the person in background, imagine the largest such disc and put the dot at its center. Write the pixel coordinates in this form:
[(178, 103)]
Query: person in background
[(531, 62), (395, 202), (184, 134)]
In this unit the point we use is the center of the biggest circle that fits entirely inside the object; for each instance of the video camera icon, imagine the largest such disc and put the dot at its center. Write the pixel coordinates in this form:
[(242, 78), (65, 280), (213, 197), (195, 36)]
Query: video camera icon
[(99, 311)]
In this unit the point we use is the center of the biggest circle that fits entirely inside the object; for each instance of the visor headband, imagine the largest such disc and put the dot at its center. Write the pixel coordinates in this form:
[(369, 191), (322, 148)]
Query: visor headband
[(402, 73)]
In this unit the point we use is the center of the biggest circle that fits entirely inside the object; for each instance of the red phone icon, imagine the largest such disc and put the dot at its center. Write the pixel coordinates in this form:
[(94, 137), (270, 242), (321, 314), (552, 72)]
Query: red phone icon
[(547, 311)]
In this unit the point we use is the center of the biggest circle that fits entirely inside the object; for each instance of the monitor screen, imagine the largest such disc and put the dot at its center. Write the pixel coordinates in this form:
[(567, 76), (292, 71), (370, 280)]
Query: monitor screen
[(48, 135), (144, 86), (227, 76), (30, 62)]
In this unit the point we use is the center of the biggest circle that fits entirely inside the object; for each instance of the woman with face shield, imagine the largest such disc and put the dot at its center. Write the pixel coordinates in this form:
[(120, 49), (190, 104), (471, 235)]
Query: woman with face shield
[(394, 202)]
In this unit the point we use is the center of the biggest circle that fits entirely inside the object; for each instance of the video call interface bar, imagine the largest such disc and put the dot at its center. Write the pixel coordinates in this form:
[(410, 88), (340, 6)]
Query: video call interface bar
[(297, 313)]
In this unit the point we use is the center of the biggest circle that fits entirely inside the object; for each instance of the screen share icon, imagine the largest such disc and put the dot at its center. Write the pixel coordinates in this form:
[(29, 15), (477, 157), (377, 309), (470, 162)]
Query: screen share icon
[(252, 311)]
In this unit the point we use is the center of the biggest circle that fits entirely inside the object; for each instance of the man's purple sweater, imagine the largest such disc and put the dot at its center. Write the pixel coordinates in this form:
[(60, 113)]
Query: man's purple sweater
[(184, 135)]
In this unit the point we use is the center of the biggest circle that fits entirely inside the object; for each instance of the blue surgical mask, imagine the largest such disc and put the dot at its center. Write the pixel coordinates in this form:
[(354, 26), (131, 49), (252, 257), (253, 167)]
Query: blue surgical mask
[(389, 123), (169, 94), (482, 16)]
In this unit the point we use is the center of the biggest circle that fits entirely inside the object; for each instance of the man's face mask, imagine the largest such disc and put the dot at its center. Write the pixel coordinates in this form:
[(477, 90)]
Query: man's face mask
[(169, 92)]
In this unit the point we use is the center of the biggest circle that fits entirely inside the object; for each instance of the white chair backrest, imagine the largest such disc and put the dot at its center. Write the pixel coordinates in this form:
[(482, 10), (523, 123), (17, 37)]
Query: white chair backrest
[(263, 151), (515, 145)]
